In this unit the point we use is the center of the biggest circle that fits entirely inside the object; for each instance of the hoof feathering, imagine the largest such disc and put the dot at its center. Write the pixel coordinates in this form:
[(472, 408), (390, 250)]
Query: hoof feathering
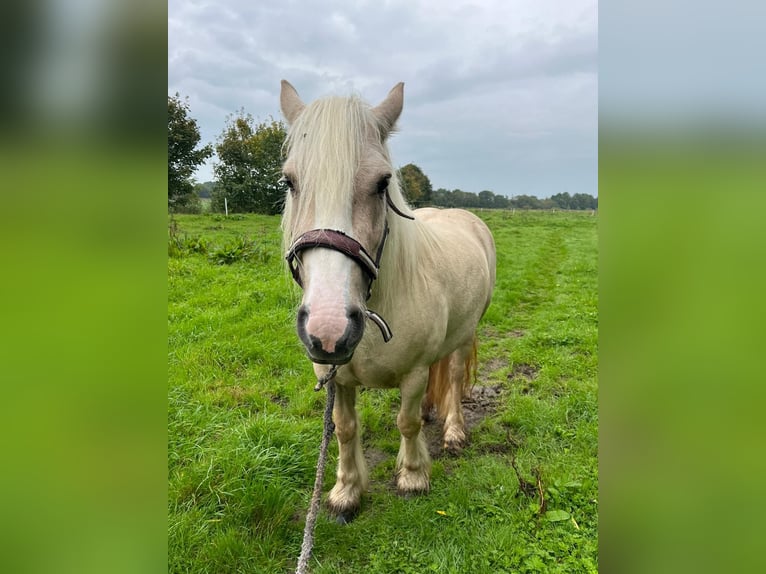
[(454, 439), (343, 508), (410, 483)]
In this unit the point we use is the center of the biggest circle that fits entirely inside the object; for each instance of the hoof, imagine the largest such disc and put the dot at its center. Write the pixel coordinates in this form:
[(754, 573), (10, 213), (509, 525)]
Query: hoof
[(344, 501), (343, 514), (346, 517)]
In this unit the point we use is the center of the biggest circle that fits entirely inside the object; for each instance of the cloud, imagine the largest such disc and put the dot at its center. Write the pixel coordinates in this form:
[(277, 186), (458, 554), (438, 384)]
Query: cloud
[(498, 94)]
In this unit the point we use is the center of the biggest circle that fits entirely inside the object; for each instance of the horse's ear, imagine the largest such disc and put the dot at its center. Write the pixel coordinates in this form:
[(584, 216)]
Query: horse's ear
[(389, 109), (290, 102)]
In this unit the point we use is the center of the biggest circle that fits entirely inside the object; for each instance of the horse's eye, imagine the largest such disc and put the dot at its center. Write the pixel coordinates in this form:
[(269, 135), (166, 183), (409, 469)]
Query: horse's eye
[(383, 183), (288, 182)]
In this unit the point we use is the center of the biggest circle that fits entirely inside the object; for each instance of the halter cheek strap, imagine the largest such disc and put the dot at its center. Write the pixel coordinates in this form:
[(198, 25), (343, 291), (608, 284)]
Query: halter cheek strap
[(395, 209)]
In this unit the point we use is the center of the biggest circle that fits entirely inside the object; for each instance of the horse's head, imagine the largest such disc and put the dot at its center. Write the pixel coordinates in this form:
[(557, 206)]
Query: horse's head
[(338, 172)]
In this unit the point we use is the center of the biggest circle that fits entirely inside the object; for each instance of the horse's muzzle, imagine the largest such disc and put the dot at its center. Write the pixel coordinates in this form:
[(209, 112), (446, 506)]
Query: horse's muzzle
[(321, 340)]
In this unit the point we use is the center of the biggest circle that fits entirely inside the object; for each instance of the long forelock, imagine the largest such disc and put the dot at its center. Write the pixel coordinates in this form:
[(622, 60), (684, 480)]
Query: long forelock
[(324, 149)]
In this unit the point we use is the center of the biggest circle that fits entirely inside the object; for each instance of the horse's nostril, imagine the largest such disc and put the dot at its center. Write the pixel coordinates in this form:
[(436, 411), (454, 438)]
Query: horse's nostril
[(354, 329), (355, 315), (301, 320)]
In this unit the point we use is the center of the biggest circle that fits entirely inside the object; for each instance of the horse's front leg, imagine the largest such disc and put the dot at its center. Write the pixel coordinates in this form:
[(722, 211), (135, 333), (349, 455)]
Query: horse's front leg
[(345, 496), (413, 463)]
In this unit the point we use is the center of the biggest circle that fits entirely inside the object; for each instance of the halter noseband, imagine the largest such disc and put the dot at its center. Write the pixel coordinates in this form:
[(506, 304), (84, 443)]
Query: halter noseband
[(338, 241), (351, 248)]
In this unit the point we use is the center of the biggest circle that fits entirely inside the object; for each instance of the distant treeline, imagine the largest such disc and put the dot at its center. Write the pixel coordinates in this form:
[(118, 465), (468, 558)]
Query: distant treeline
[(250, 158), (205, 190), (486, 199)]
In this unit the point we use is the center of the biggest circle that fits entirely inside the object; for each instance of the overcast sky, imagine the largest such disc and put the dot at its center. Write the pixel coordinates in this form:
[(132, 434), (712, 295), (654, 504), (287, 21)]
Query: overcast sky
[(499, 94)]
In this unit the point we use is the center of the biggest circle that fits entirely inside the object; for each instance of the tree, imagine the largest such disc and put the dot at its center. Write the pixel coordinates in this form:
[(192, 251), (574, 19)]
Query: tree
[(250, 157), (486, 199), (547, 203), (576, 201), (526, 202), (562, 200), (415, 185), (442, 197), (183, 155), (500, 202), (464, 198), (583, 201)]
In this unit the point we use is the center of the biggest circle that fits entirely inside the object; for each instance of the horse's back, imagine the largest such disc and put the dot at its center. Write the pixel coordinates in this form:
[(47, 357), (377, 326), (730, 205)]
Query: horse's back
[(464, 236), (461, 274), (457, 221)]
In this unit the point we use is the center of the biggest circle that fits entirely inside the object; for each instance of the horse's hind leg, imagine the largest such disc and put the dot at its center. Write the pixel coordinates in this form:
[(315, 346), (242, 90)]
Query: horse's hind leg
[(344, 498), (450, 406), (413, 463)]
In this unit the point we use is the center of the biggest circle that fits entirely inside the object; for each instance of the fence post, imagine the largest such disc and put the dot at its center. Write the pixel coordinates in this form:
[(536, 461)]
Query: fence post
[(226, 206)]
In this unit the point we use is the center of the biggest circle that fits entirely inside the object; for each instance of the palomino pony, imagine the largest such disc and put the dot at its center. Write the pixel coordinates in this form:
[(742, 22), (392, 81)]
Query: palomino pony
[(429, 281)]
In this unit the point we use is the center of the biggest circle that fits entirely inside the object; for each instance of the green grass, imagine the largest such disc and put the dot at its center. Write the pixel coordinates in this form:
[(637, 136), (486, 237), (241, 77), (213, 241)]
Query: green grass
[(244, 422)]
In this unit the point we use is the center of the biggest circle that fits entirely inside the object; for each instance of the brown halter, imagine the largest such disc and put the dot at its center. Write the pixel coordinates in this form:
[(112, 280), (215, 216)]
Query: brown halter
[(350, 247)]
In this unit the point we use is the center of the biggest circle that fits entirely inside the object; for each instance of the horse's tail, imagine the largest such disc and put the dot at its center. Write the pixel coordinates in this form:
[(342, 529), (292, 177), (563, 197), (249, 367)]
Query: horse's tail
[(471, 368), (441, 384)]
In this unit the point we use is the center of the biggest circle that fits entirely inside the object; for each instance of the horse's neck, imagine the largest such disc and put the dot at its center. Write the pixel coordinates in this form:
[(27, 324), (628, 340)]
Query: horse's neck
[(401, 269)]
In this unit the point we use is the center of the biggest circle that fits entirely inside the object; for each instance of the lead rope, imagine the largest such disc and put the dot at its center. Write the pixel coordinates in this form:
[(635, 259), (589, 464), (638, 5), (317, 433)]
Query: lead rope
[(329, 427)]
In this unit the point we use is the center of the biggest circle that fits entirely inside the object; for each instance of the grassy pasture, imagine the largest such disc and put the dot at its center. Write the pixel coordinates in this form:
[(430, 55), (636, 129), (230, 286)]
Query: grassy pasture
[(244, 423)]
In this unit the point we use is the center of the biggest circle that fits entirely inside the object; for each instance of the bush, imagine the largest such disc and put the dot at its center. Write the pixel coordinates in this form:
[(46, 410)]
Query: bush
[(180, 245), (238, 249), (241, 249)]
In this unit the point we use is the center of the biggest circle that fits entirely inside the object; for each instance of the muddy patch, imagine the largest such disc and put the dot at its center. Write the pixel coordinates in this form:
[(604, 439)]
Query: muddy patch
[(522, 376), (490, 367), (523, 371), (374, 456), (280, 400), (481, 403), (432, 430)]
